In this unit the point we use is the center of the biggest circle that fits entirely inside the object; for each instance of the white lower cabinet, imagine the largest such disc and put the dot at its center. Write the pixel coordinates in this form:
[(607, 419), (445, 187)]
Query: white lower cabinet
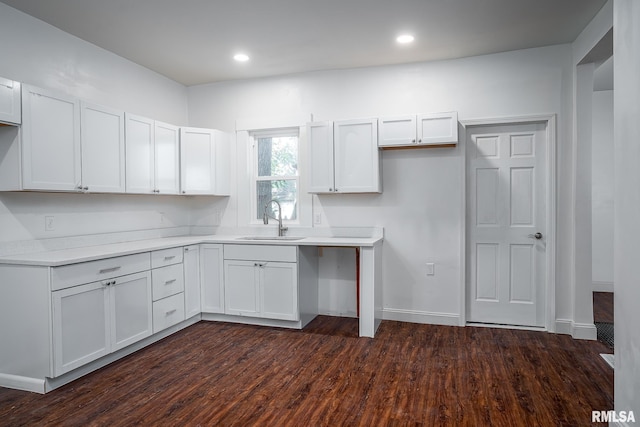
[(261, 281), (211, 278), (168, 312), (92, 320), (191, 262), (168, 288)]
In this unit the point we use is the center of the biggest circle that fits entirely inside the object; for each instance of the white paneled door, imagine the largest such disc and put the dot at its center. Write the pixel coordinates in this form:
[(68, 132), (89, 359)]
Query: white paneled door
[(506, 245)]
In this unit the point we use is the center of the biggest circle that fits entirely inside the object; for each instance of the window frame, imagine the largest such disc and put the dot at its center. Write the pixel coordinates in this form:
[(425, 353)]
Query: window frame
[(254, 135)]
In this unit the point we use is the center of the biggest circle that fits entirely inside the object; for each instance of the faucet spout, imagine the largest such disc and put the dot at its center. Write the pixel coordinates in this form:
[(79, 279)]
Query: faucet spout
[(266, 216)]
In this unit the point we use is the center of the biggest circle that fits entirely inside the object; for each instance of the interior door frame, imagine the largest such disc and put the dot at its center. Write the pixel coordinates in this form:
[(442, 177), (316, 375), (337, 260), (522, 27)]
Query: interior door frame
[(549, 120)]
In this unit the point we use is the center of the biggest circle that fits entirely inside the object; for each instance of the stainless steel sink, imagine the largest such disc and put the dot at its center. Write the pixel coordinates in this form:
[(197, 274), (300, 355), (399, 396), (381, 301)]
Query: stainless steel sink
[(271, 238)]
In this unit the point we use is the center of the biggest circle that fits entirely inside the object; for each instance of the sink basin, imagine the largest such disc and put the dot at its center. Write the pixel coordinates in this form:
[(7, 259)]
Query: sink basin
[(271, 238)]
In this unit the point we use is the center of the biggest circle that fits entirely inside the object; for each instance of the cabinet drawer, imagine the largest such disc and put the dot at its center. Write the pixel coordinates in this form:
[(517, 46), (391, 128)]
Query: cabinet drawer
[(261, 253), (168, 312), (70, 275), (167, 281), (166, 257)]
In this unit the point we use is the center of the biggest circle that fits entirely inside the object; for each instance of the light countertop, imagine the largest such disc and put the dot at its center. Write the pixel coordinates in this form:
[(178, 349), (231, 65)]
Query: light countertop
[(91, 253)]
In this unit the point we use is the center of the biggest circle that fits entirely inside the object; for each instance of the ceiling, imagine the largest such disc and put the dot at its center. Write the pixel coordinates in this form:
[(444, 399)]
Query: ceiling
[(193, 41)]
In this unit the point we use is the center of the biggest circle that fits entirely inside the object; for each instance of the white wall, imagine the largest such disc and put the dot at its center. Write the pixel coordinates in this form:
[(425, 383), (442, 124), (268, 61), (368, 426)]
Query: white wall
[(37, 53), (602, 190), (420, 208), (627, 204)]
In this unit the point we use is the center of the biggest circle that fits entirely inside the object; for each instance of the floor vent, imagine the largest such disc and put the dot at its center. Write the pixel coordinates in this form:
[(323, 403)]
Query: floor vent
[(605, 333)]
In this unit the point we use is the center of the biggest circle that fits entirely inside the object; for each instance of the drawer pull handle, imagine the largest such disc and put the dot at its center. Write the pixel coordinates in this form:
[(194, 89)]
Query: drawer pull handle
[(109, 270), (170, 312), (167, 258), (168, 282)]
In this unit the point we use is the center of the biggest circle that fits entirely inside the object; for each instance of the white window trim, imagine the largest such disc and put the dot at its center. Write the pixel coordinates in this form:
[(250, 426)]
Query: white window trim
[(253, 136), (243, 201)]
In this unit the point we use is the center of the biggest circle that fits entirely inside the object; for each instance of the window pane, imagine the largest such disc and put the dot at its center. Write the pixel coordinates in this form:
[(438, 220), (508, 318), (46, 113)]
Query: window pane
[(278, 156), (284, 191)]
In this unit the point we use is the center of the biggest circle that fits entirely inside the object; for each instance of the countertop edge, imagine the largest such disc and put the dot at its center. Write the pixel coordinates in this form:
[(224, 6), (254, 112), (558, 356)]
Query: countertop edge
[(92, 253)]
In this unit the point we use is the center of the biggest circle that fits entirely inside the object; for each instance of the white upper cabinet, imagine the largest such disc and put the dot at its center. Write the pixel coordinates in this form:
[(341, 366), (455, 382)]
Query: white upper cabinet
[(344, 157), (51, 141), (204, 161), (139, 137), (153, 156), (356, 156), (68, 145), (321, 179), (10, 108), (422, 130), (166, 158), (102, 142)]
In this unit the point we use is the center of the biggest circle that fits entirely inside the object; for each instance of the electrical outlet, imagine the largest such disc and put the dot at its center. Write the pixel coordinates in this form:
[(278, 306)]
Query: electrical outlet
[(161, 217), (431, 269), (49, 223), (317, 218)]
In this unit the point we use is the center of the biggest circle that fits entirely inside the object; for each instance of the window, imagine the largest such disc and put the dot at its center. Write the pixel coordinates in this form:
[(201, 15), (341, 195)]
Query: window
[(276, 173)]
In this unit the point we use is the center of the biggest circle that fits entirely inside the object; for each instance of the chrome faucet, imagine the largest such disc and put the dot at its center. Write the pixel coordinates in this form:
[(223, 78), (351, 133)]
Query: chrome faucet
[(266, 216)]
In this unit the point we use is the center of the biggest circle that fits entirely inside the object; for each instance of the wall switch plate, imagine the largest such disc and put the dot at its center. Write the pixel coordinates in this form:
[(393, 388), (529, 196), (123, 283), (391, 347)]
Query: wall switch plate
[(317, 218), (161, 217), (49, 223), (431, 269)]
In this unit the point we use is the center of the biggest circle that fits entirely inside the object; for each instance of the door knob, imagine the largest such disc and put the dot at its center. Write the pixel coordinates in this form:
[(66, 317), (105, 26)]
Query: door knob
[(537, 236)]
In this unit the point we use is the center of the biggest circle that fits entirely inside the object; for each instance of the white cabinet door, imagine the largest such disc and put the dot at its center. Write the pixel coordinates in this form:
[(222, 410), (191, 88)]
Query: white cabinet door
[(139, 134), (204, 161), (356, 156), (166, 158), (397, 131), (191, 263), (212, 278), (222, 184), (51, 140), (242, 293), (102, 142), (131, 310), (321, 175), (10, 111), (80, 326), (197, 152), (438, 128), (279, 290)]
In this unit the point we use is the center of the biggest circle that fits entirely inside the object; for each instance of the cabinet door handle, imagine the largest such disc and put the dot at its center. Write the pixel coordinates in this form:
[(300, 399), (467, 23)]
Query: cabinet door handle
[(168, 282), (170, 312), (109, 270), (167, 258)]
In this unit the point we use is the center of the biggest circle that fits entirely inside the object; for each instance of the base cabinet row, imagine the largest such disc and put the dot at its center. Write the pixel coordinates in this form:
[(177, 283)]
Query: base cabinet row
[(75, 314)]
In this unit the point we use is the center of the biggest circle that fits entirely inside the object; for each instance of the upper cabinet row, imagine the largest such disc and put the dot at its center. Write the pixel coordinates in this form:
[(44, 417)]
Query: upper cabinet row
[(71, 145)]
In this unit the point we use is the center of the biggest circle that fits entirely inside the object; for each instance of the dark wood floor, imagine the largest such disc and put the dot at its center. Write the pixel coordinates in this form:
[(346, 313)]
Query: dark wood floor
[(218, 374), (603, 307)]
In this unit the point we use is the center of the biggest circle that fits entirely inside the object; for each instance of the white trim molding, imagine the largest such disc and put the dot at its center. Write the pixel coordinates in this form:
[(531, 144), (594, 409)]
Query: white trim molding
[(602, 286), (425, 317), (581, 331)]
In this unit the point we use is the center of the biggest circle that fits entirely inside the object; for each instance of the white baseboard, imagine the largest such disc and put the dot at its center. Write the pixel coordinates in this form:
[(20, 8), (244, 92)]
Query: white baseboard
[(602, 286), (580, 331), (425, 317), (17, 382)]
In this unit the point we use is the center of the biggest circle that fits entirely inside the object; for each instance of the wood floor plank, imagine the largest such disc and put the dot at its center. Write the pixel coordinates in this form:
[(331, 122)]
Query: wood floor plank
[(409, 375)]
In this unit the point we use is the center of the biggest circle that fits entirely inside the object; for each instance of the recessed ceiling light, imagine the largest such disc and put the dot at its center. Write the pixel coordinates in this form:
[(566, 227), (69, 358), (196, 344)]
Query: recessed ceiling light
[(405, 38), (241, 57)]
